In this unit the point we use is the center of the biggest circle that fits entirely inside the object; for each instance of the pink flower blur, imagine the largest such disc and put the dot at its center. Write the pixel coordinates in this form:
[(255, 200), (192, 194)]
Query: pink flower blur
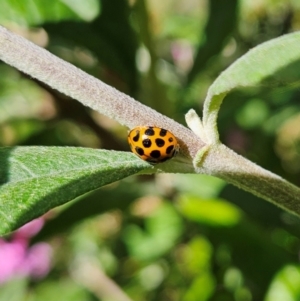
[(18, 259)]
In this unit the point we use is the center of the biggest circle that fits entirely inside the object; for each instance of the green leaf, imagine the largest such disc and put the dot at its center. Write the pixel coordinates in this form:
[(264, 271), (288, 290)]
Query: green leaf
[(285, 285), (201, 289), (214, 212), (36, 179), (274, 63), (162, 230), (33, 12), (196, 256)]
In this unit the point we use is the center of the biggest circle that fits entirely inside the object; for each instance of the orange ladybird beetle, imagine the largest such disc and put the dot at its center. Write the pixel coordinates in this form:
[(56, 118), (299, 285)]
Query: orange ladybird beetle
[(153, 144)]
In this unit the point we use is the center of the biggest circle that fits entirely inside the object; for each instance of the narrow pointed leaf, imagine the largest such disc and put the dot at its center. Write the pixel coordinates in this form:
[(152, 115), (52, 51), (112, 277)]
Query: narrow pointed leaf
[(36, 179), (272, 64)]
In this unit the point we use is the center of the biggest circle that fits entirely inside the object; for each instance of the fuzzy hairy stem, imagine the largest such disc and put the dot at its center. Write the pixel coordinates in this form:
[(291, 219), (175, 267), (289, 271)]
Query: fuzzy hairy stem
[(66, 78), (213, 158), (222, 162)]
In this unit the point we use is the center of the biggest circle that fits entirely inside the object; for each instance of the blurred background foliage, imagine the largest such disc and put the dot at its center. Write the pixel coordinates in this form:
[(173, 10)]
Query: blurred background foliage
[(168, 236)]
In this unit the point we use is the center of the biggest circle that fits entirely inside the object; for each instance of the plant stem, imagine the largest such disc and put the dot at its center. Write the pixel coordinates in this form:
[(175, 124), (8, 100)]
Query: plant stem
[(222, 162), (66, 78)]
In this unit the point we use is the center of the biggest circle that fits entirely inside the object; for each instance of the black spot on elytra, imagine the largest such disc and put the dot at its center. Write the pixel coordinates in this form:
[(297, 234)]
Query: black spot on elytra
[(159, 142), (149, 132), (155, 154), (147, 143), (136, 137), (139, 150), (169, 149), (170, 139), (163, 133)]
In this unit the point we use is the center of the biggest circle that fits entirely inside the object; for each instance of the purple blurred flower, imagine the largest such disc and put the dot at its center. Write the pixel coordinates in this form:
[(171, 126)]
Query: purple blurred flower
[(17, 258), (11, 257), (37, 261)]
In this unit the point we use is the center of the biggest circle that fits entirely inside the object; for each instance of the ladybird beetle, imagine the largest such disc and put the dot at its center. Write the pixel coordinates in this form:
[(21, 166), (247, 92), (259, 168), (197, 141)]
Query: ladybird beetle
[(153, 144)]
